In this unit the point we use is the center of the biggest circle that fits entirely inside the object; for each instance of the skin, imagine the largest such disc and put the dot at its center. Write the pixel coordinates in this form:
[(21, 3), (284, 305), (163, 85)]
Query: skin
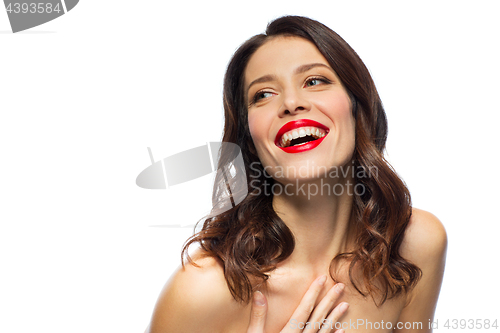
[(197, 299)]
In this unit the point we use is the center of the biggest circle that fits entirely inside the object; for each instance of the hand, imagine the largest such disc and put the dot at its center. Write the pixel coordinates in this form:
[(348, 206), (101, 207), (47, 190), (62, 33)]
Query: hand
[(305, 312)]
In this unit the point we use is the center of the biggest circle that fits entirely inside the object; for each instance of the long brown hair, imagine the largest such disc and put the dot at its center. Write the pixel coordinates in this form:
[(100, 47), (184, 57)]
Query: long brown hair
[(250, 239)]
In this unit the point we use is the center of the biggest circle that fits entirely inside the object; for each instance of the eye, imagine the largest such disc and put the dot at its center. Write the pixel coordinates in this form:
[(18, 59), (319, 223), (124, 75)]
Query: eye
[(261, 95), (314, 81)]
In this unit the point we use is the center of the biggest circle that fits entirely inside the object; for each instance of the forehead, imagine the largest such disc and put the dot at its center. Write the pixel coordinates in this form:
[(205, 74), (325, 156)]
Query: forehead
[(281, 55)]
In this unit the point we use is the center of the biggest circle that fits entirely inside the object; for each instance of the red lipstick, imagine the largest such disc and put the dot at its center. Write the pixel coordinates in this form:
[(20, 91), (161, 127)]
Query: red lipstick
[(297, 124)]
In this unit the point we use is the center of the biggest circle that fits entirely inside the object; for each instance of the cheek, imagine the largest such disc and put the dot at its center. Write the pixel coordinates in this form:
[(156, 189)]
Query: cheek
[(339, 106), (256, 127), (346, 122), (260, 123), (338, 109), (252, 126), (346, 118), (347, 127)]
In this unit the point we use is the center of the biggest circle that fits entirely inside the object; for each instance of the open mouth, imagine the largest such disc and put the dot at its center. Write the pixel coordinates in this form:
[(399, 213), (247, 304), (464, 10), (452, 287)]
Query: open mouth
[(300, 135)]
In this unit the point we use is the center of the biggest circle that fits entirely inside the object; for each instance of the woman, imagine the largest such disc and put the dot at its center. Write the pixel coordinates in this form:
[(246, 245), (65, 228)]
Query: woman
[(327, 234)]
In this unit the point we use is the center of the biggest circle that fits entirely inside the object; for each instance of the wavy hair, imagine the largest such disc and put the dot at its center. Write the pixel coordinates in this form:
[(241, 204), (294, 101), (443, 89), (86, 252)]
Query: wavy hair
[(251, 239)]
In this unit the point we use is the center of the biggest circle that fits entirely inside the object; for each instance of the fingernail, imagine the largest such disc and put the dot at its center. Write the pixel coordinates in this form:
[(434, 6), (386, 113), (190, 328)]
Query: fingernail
[(339, 287), (322, 280), (259, 299), (344, 307)]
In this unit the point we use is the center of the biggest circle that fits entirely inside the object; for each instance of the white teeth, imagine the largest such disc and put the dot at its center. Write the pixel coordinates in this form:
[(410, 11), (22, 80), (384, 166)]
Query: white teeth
[(301, 132)]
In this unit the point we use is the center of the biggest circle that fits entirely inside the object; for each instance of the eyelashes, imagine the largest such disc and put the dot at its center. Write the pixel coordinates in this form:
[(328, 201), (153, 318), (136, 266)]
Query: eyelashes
[(258, 96), (261, 94), (320, 79)]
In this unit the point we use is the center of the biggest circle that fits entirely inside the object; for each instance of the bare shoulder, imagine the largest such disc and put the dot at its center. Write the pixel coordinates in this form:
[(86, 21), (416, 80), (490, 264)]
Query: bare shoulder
[(424, 244), (425, 238), (195, 299)]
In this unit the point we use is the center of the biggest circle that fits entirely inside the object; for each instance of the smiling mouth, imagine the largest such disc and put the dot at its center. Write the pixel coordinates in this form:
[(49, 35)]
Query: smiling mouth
[(301, 136)]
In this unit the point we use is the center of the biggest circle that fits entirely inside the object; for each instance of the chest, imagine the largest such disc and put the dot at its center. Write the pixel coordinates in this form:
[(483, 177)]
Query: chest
[(285, 292), (363, 314)]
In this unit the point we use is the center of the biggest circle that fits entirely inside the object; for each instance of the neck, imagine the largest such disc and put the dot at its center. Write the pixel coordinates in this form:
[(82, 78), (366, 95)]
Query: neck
[(320, 223)]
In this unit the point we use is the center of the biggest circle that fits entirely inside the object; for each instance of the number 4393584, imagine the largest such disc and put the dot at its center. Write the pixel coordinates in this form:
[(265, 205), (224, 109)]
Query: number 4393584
[(471, 324), (33, 8)]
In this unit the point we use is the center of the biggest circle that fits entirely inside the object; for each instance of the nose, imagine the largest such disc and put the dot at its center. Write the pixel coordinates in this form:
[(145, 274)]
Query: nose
[(294, 102)]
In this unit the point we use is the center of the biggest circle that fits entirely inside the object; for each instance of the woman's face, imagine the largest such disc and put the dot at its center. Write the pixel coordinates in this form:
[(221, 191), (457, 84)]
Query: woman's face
[(294, 96)]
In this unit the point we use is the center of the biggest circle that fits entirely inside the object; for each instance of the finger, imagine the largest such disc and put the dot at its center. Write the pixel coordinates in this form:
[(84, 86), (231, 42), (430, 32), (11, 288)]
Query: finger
[(258, 313), (306, 306), (334, 316), (323, 309)]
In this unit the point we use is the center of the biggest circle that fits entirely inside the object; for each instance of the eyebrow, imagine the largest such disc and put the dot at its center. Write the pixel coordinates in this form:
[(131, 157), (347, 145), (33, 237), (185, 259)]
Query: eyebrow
[(299, 70)]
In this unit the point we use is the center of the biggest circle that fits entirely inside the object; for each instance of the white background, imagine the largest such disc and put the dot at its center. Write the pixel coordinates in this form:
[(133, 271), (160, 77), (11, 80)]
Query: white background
[(82, 97)]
